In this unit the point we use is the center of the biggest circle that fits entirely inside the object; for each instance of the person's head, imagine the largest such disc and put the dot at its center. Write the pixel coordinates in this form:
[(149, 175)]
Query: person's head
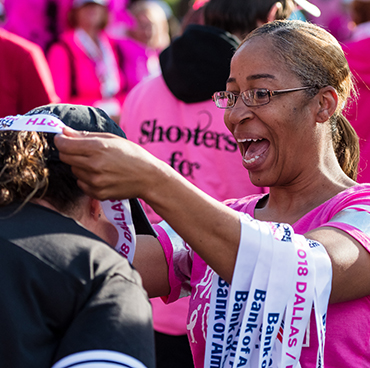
[(300, 128), (240, 17), (360, 11), (151, 26), (30, 169), (194, 15), (89, 14)]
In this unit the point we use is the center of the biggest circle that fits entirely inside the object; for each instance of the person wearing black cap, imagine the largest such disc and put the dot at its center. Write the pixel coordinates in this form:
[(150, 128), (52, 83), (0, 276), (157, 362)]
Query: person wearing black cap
[(69, 299)]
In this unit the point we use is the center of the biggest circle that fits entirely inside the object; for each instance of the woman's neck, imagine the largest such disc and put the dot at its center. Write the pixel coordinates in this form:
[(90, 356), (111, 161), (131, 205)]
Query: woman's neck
[(92, 32), (289, 203)]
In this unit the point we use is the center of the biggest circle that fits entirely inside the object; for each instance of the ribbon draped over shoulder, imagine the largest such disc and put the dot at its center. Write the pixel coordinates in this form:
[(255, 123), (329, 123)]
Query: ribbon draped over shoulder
[(260, 320)]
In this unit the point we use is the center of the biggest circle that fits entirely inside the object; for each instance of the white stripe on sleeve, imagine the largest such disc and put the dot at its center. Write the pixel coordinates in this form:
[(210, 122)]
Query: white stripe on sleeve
[(98, 359)]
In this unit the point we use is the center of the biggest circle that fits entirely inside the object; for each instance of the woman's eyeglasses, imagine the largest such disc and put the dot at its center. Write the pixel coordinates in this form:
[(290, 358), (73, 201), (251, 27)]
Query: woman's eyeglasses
[(251, 97)]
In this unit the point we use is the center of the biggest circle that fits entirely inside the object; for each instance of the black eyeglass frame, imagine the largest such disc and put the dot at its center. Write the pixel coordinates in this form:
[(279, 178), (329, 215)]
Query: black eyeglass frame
[(253, 92)]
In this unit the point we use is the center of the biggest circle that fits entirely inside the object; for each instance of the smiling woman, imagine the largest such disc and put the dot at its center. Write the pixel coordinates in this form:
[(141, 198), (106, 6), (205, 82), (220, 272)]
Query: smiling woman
[(292, 52), (301, 146)]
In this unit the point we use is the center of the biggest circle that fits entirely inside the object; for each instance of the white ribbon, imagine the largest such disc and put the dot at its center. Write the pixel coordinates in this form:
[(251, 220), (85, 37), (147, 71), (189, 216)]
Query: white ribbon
[(299, 304), (33, 123), (278, 277), (117, 212), (242, 305)]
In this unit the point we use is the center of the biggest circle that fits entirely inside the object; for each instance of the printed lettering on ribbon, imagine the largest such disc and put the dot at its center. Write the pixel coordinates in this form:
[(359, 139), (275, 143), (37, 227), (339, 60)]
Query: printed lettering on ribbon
[(216, 322), (119, 214), (300, 303), (39, 123), (239, 293), (278, 276)]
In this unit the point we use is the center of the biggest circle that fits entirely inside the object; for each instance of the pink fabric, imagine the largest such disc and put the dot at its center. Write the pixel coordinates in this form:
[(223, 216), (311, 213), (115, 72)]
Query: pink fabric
[(138, 61), (358, 54), (170, 318), (120, 18), (28, 19), (190, 137), (87, 82), (335, 18), (348, 334), (25, 79)]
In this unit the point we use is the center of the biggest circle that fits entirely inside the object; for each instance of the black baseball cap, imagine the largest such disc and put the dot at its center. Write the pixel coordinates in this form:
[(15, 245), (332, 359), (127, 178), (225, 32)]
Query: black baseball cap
[(92, 119)]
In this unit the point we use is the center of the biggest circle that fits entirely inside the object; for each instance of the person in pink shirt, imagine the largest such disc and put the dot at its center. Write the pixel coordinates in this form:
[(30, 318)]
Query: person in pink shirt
[(84, 62), (283, 103)]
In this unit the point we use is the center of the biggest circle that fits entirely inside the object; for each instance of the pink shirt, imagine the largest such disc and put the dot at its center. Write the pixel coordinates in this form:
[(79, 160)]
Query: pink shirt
[(358, 54), (348, 334), (170, 319), (335, 18), (32, 20), (138, 61), (87, 83)]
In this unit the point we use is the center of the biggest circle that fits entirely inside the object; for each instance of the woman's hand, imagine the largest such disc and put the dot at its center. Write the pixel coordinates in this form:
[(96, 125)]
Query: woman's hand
[(108, 166)]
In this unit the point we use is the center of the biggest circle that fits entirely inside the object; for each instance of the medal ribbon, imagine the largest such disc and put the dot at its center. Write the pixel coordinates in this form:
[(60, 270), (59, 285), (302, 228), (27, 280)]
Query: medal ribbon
[(278, 277)]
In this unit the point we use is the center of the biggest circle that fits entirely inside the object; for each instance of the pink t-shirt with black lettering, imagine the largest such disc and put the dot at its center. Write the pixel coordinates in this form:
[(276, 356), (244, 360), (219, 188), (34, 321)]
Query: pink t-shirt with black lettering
[(348, 333)]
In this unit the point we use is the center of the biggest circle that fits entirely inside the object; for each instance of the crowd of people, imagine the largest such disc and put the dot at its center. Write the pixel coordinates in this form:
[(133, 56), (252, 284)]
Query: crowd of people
[(90, 63), (214, 209)]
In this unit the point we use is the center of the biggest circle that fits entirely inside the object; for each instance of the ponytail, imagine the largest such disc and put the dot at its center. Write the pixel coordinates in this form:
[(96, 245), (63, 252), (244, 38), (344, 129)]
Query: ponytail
[(346, 146)]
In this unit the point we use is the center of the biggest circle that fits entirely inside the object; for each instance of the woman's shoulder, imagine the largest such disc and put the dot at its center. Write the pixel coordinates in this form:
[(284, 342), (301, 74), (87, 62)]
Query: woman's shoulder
[(246, 204), (357, 196), (356, 193)]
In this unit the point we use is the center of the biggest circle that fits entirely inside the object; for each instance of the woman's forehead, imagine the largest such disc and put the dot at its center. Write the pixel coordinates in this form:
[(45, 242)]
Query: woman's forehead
[(256, 60), (256, 49)]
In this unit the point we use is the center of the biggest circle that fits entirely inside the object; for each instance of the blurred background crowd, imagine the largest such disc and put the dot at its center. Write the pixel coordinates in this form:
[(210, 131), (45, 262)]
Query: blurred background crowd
[(95, 52), (99, 50)]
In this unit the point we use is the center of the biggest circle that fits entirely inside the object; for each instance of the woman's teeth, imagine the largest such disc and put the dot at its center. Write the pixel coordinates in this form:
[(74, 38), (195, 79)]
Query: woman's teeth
[(248, 140), (251, 160)]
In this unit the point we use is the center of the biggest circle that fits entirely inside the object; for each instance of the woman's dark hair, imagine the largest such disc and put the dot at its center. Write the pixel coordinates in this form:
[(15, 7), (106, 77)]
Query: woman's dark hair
[(317, 59), (29, 169), (72, 18), (241, 16)]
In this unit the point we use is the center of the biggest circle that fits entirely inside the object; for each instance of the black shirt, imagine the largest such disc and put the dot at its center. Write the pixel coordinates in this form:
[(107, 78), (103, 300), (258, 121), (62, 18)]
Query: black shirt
[(64, 290)]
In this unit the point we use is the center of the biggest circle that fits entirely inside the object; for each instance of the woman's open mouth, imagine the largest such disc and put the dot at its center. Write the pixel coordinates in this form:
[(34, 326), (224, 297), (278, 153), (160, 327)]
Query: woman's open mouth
[(253, 149)]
